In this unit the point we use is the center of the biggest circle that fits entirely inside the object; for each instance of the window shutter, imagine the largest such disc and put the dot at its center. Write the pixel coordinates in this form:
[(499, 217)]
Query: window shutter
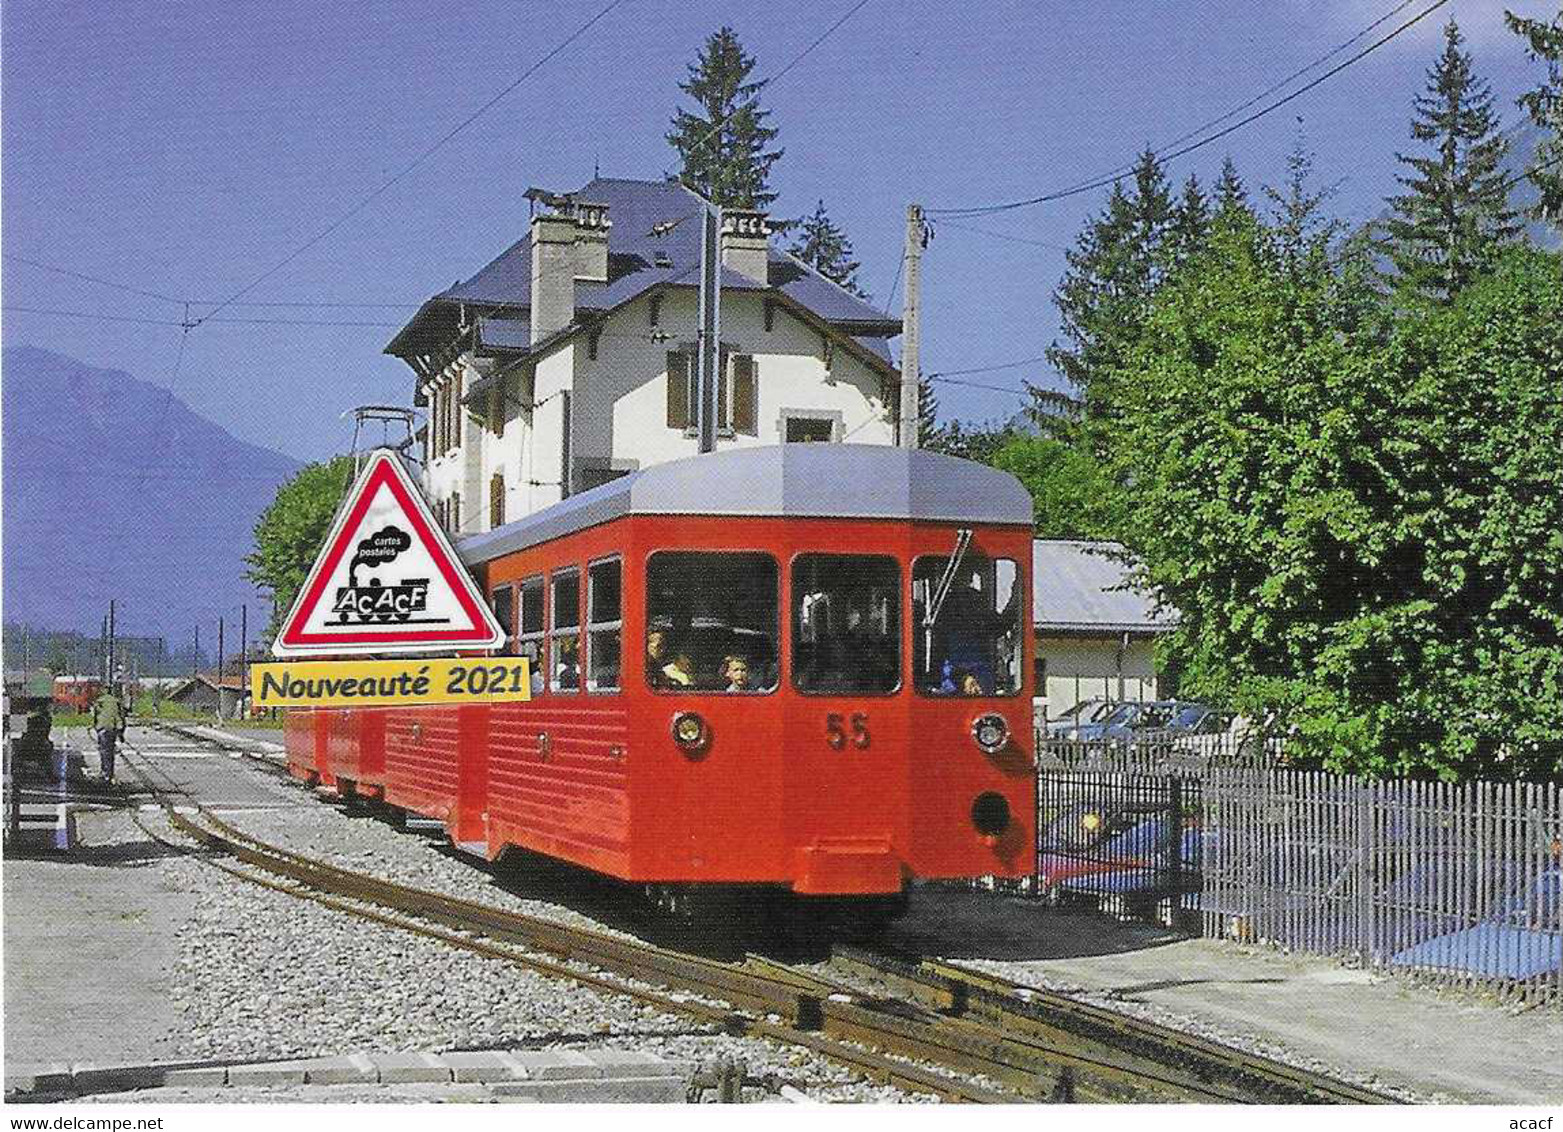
[(723, 421), (678, 390), (745, 395), (496, 407), (496, 500)]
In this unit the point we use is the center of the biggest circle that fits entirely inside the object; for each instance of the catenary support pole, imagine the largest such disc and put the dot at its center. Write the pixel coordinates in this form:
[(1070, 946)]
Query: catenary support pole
[(219, 667), (244, 651), (911, 325), (710, 326)]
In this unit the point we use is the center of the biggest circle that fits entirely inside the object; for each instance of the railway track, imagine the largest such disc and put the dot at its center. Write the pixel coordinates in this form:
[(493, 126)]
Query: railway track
[(920, 1025)]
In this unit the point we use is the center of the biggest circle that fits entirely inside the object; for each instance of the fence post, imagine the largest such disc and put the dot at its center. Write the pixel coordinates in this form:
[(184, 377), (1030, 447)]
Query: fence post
[(1364, 933)]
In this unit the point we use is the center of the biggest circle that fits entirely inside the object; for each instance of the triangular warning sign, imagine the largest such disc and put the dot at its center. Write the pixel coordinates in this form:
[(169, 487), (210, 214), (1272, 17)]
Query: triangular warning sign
[(387, 579)]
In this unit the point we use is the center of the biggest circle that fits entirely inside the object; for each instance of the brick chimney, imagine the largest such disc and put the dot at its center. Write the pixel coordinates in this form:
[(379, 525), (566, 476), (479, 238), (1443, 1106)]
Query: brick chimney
[(746, 243), (569, 242)]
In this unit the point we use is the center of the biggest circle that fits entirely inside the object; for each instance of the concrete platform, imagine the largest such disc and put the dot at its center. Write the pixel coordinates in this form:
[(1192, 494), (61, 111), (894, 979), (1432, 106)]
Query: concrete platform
[(542, 1075), (1348, 1020), (89, 941)]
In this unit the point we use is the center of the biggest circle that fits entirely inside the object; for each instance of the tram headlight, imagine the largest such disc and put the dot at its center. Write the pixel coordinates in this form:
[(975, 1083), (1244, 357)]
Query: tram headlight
[(991, 732), (690, 732)]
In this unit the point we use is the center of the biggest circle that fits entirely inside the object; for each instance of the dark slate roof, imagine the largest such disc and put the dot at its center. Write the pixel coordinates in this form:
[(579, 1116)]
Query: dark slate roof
[(1082, 587), (856, 481), (635, 207)]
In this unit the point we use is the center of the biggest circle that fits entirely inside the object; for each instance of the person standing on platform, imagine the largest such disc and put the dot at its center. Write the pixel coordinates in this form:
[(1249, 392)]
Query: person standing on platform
[(108, 721)]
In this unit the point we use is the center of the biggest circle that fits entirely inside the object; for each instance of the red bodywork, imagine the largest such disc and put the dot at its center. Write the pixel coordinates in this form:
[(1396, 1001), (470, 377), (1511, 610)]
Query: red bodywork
[(596, 778), (306, 734), (75, 693)]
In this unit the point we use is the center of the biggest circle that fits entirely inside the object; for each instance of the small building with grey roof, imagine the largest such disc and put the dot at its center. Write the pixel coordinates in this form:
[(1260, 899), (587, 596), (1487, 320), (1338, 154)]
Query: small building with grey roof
[(1095, 632)]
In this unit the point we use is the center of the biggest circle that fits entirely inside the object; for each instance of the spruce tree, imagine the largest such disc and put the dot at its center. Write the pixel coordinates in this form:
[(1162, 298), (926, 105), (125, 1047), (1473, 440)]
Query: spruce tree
[(1299, 233), (1455, 217), (722, 145), (1119, 261), (1231, 195), (1545, 106), (824, 246), (1190, 223)]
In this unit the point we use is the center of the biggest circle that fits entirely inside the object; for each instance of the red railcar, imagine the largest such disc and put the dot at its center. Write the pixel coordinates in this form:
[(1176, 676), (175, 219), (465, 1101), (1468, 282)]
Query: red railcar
[(804, 667), (76, 693)]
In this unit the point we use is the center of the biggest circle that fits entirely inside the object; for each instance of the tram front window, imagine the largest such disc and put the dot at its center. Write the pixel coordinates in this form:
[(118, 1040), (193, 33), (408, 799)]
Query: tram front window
[(846, 624), (712, 621), (966, 634)]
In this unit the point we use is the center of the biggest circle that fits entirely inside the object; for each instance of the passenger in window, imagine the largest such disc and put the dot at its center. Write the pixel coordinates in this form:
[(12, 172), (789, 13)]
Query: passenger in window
[(735, 670), (656, 657), (568, 675), (680, 673), (970, 685)]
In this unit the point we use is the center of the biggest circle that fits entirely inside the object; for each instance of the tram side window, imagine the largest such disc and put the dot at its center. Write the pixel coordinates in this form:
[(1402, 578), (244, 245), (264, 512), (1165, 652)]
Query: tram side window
[(967, 640), (712, 622), (529, 635), (565, 639), (504, 603), (604, 625), (846, 624)]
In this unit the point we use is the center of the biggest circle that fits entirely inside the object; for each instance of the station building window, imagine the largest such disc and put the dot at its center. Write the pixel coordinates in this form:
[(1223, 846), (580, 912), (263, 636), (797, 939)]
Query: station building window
[(604, 625), (966, 634), (846, 624), (712, 621)]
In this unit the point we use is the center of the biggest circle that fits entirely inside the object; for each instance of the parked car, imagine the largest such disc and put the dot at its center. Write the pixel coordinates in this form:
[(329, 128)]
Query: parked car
[(1083, 713)]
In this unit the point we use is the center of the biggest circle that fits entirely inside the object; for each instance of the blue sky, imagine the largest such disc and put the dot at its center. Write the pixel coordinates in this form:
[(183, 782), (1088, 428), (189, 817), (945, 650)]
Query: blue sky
[(186, 148)]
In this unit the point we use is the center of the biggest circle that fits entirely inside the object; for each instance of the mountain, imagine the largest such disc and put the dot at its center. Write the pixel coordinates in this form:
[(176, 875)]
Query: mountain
[(114, 488)]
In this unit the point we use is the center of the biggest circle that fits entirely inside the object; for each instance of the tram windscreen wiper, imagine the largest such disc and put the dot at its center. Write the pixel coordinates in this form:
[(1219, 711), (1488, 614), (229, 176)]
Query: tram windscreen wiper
[(947, 579)]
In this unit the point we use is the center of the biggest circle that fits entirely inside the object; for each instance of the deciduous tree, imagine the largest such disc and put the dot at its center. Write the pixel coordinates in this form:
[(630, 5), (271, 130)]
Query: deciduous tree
[(290, 532)]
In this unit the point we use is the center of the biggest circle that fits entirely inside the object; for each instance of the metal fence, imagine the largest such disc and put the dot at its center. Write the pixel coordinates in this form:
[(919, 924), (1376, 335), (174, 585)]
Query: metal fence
[(1456, 884), (1128, 841), (1453, 884)]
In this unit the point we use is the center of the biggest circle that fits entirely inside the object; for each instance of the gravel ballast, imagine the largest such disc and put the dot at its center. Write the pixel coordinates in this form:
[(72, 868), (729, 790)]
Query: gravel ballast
[(263, 975)]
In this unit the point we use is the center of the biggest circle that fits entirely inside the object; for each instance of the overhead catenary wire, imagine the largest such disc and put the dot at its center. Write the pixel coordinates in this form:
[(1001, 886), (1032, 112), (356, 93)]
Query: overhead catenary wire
[(407, 169), (1280, 85), (1169, 152)]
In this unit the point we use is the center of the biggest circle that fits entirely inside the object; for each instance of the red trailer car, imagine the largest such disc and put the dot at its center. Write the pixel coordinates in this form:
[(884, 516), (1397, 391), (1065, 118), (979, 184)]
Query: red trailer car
[(803, 667)]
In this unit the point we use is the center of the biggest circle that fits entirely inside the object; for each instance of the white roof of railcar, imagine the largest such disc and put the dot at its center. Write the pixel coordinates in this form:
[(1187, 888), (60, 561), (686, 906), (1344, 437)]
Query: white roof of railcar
[(836, 481)]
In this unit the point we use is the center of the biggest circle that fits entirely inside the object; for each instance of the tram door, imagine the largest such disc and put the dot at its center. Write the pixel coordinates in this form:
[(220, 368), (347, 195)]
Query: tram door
[(846, 776)]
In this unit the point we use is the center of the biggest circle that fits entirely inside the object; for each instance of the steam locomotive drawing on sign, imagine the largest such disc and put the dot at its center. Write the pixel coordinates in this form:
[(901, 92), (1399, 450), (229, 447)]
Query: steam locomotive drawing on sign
[(374, 600)]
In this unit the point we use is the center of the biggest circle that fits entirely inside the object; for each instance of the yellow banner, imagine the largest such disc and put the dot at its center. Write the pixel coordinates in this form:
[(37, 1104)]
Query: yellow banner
[(391, 683)]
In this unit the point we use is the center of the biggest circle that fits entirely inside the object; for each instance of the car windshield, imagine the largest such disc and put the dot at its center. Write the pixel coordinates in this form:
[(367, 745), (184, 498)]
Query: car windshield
[(1123, 713), (1188, 716), (1152, 716)]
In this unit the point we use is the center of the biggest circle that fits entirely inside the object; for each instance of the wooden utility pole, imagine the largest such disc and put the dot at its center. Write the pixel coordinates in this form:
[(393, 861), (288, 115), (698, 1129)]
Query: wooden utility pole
[(911, 325), (111, 641), (195, 657)]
